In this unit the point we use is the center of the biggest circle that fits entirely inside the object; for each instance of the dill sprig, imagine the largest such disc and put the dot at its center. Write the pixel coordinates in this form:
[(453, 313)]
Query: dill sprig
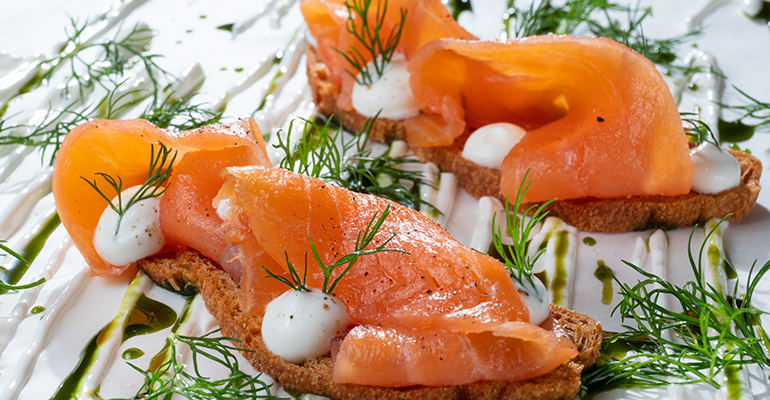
[(363, 239), (172, 379), (697, 130), (324, 153), (664, 346), (179, 114), (380, 46), (515, 257), (118, 55), (755, 111), (5, 286), (158, 174), (577, 16)]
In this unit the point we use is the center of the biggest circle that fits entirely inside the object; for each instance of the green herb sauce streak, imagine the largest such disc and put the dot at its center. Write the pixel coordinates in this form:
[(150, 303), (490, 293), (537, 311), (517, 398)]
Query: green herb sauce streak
[(146, 316), (603, 274), (560, 278), (15, 269)]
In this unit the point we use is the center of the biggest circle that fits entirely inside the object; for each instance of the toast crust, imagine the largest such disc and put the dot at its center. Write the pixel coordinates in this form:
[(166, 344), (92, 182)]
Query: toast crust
[(586, 214), (189, 270)]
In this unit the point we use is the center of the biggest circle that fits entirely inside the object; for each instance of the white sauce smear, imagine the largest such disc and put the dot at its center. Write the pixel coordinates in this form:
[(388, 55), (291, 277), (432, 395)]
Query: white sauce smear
[(138, 236), (391, 95), (713, 170), (299, 325), (488, 145)]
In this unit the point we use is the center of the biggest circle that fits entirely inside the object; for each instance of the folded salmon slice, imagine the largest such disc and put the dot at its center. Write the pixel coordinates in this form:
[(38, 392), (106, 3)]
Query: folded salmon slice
[(326, 20), (463, 301), (440, 283), (122, 148), (396, 357), (601, 121)]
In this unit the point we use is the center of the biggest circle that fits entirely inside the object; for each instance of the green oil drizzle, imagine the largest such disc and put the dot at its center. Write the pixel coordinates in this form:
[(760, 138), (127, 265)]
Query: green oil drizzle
[(589, 241), (734, 132), (560, 278), (148, 316), (733, 382), (37, 310), (12, 272), (162, 356), (603, 274), (729, 270), (132, 353), (137, 315)]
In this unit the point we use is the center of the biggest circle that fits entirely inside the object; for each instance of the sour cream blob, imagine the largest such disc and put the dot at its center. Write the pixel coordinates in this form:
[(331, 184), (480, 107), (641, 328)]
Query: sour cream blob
[(535, 296), (138, 236), (391, 93), (488, 145), (713, 170), (299, 325)]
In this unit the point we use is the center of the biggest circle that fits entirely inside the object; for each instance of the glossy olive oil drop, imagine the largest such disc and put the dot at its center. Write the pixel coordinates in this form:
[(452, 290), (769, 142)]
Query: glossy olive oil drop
[(589, 241), (603, 274)]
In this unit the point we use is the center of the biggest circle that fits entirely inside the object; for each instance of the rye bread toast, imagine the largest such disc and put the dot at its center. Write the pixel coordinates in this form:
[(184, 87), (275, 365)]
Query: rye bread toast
[(586, 214), (189, 270)]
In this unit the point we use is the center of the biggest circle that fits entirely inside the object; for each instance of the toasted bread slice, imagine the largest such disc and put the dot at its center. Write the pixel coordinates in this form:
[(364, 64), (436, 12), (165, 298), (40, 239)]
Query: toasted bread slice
[(586, 214), (189, 270)]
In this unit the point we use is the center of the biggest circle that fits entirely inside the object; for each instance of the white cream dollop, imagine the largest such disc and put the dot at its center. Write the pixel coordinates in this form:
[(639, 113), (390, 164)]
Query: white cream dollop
[(535, 296), (488, 145), (713, 170), (298, 325), (391, 95), (138, 236)]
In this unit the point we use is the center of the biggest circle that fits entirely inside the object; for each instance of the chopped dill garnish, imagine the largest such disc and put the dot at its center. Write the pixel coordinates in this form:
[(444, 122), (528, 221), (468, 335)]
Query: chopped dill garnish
[(515, 257), (370, 33), (170, 378), (363, 240), (324, 153), (158, 174), (5, 286), (706, 335)]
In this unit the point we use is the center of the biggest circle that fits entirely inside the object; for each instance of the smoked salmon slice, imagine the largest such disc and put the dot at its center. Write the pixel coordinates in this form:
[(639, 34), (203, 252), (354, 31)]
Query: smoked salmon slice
[(395, 357), (464, 300), (121, 148), (326, 20), (601, 120)]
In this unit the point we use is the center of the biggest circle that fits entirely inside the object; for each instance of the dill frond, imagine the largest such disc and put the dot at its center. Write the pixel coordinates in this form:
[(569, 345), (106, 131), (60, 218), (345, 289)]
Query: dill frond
[(369, 30), (170, 378), (576, 17), (363, 239), (157, 176), (756, 112), (324, 153), (179, 114), (515, 257), (662, 346)]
